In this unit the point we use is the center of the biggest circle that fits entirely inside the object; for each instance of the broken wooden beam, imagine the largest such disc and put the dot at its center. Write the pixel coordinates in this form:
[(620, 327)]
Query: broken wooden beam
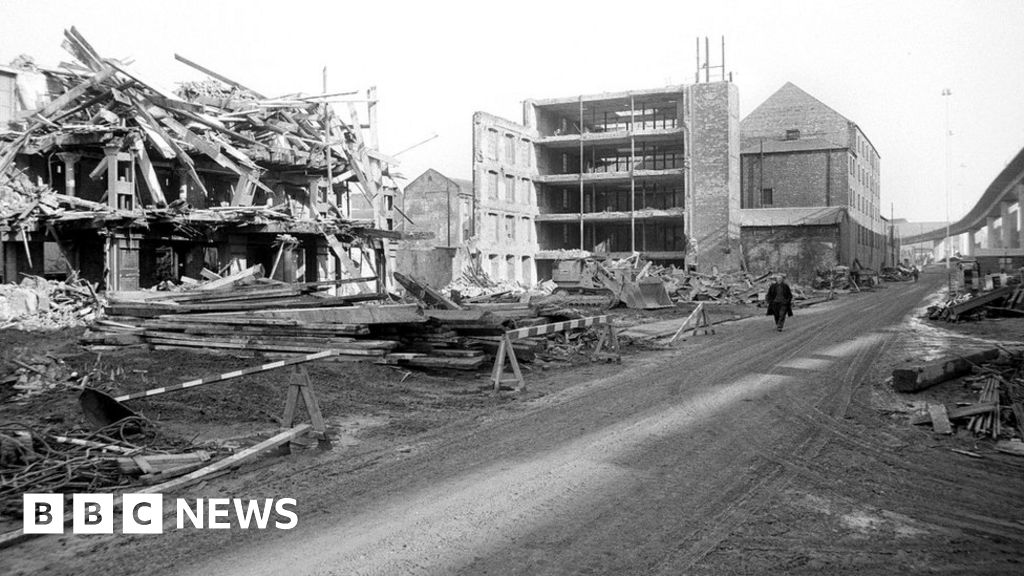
[(918, 378), (424, 293), (956, 413)]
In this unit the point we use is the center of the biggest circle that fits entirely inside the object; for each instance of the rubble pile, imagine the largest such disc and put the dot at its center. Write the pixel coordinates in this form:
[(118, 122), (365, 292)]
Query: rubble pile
[(1003, 301), (475, 282), (29, 375), (40, 304), (999, 410), (846, 278), (897, 274)]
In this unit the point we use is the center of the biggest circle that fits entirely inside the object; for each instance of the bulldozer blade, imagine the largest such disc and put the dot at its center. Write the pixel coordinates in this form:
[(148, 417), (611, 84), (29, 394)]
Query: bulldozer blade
[(101, 410), (645, 295)]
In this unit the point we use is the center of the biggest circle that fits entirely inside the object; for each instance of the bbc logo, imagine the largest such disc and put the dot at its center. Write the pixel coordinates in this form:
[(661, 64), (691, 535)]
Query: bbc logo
[(144, 513), (93, 514)]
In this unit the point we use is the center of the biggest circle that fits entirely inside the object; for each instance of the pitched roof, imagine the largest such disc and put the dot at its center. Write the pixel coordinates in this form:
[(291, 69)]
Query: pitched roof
[(791, 108), (465, 186)]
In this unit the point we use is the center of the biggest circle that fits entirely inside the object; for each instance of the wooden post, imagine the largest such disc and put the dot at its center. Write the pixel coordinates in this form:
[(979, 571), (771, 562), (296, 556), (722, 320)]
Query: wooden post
[(302, 386), (505, 350)]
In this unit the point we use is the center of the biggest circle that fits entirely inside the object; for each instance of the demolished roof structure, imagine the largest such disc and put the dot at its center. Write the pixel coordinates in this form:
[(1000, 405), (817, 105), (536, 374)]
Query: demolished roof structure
[(102, 161)]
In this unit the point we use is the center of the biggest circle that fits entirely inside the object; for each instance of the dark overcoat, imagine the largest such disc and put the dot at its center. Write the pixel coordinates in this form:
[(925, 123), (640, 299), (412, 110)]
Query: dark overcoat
[(775, 299)]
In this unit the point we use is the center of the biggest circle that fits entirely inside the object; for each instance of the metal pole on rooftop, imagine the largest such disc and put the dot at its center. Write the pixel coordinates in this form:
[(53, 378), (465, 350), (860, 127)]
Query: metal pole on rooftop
[(707, 60), (946, 93), (696, 75)]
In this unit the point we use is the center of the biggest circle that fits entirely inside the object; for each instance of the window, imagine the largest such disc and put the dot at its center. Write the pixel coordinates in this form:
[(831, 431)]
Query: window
[(492, 222), (527, 232), (793, 134), (766, 197), (510, 149), (524, 153), (492, 144), (529, 197), (492, 185), (510, 227), (510, 188)]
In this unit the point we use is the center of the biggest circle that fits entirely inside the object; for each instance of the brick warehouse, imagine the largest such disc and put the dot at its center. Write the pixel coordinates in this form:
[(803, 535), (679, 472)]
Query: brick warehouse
[(810, 188)]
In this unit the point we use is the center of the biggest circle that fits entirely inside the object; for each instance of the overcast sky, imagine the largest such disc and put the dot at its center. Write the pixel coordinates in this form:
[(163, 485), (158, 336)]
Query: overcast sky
[(882, 64)]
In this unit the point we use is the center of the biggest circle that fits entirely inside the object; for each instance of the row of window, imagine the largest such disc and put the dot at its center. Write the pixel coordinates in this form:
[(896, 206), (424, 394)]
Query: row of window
[(505, 268), (513, 149), (506, 228), (510, 189)]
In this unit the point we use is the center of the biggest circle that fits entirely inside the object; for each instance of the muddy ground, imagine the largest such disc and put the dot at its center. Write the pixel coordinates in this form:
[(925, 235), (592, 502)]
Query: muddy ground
[(384, 421)]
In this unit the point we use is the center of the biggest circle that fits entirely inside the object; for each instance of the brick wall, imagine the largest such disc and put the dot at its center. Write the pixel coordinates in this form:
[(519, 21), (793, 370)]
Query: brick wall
[(715, 174), (797, 251), (796, 179)]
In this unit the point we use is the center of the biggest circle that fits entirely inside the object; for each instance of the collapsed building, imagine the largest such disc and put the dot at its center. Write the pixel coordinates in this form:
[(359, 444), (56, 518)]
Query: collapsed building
[(130, 184)]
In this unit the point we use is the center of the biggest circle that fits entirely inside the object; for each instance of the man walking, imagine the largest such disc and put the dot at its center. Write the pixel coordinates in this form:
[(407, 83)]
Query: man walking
[(780, 300)]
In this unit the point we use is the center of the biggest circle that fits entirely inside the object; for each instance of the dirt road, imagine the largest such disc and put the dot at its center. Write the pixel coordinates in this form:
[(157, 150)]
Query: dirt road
[(749, 451), (746, 452)]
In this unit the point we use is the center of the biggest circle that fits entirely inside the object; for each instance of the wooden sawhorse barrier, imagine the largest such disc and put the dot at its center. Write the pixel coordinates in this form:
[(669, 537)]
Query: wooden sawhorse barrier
[(506, 350), (299, 386), (697, 320)]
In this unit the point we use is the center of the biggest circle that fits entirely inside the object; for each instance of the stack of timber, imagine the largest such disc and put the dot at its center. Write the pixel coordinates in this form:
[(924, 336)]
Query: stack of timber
[(244, 314)]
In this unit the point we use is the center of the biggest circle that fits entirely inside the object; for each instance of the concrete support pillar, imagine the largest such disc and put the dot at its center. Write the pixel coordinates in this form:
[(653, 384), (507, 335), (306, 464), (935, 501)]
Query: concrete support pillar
[(970, 242), (1007, 231), (991, 236), (1020, 214), (70, 160)]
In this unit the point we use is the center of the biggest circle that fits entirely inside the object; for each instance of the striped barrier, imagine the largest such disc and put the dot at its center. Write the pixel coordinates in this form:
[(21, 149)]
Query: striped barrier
[(228, 375), (506, 351), (554, 327)]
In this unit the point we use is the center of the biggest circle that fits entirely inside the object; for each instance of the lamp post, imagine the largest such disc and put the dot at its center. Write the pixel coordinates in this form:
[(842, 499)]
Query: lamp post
[(946, 93)]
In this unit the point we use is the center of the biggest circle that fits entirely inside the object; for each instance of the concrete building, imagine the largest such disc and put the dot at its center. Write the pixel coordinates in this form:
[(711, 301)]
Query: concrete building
[(811, 185), (439, 221), (613, 174)]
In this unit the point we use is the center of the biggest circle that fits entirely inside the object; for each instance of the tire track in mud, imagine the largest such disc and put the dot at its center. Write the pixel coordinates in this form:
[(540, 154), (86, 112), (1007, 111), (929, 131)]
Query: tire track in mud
[(824, 417)]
